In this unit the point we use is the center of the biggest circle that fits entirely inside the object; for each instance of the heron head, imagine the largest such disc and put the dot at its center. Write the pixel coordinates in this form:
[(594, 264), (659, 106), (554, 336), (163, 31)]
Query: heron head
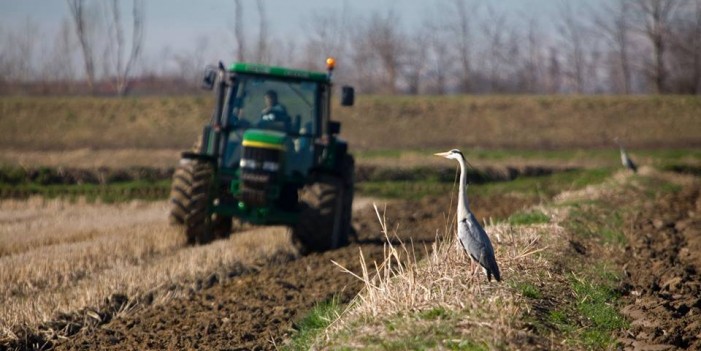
[(454, 154)]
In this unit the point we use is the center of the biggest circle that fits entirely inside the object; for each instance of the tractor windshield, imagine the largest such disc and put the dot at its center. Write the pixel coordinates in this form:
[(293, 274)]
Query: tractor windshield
[(288, 106), (268, 103)]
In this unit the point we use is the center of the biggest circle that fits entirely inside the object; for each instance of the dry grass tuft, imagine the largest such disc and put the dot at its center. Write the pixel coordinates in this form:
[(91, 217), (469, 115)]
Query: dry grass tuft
[(400, 287)]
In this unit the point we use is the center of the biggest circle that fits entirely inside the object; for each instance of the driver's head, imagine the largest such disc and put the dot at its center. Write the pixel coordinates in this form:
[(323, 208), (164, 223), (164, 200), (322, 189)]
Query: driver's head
[(270, 97)]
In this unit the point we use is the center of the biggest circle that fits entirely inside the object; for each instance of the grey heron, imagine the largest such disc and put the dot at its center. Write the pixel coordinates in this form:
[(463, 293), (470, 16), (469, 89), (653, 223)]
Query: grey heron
[(470, 233), (625, 159)]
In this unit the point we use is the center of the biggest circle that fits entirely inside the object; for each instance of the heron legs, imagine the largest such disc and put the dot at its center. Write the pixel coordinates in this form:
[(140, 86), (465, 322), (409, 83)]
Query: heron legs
[(474, 268)]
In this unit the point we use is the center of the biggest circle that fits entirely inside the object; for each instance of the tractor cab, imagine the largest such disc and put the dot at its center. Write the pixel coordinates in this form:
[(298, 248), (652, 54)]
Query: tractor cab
[(292, 110), (292, 106)]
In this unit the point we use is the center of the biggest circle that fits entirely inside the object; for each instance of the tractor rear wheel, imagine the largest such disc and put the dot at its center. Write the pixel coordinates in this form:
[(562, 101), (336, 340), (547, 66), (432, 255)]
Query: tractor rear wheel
[(321, 222), (190, 196), (181, 187), (348, 193), (180, 195)]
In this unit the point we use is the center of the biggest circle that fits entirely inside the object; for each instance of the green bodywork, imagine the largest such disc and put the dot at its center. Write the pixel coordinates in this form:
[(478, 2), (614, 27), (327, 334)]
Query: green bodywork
[(273, 71), (263, 136), (323, 158)]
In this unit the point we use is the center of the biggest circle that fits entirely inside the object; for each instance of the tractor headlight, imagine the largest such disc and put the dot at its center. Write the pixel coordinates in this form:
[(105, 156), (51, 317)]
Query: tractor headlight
[(250, 164), (271, 166)]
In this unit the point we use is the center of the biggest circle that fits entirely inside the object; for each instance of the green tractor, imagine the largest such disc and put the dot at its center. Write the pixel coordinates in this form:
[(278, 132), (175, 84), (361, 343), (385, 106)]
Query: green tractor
[(270, 155)]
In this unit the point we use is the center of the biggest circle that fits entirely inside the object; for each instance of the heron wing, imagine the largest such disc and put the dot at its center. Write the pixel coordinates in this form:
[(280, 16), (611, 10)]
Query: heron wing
[(627, 161), (478, 245)]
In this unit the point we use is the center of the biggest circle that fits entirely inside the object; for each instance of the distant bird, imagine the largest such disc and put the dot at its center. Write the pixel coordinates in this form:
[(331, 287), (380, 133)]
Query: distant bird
[(470, 233), (625, 159)]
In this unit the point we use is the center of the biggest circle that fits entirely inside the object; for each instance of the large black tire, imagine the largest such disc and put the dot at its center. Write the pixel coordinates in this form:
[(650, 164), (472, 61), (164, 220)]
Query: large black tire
[(180, 189), (189, 198), (326, 212), (180, 195), (348, 173), (319, 225)]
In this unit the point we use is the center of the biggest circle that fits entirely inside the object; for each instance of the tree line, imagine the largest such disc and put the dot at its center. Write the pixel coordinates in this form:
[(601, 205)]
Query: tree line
[(459, 46)]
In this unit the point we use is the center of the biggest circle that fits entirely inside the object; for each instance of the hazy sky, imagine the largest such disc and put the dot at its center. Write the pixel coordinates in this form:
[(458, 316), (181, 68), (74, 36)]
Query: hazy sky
[(177, 24)]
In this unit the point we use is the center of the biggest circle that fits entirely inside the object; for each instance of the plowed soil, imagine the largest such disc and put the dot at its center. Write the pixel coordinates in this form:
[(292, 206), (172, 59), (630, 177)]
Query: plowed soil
[(663, 269), (257, 311)]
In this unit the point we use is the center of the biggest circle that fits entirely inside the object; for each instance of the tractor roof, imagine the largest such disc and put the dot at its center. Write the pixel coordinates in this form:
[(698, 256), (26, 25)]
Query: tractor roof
[(254, 68)]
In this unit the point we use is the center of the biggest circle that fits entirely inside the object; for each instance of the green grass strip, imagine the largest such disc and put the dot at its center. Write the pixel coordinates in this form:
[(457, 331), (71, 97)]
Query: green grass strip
[(545, 186), (528, 218), (596, 303), (314, 323)]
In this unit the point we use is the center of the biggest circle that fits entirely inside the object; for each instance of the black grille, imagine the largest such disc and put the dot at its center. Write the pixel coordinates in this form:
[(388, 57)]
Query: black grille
[(260, 154), (259, 172)]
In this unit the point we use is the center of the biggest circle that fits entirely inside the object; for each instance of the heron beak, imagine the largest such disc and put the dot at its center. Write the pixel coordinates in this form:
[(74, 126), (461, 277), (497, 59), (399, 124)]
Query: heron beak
[(443, 154)]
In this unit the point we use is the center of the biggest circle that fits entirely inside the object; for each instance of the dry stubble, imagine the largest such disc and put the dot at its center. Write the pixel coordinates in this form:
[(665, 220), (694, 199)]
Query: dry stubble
[(57, 256), (401, 286)]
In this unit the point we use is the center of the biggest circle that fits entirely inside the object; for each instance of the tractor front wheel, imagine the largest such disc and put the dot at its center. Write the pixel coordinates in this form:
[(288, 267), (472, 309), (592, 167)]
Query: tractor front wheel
[(321, 224)]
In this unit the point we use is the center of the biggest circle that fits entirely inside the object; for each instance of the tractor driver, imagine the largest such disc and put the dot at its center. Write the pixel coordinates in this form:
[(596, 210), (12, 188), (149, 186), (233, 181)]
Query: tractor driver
[(274, 113)]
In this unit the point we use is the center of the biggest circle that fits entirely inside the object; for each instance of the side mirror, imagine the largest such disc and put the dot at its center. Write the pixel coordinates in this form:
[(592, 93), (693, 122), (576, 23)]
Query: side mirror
[(210, 76), (347, 96), (334, 127)]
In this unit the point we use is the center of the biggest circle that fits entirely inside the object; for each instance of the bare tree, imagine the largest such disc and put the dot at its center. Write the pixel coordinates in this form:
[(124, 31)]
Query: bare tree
[(533, 67), (573, 36), (239, 33), (121, 65), (376, 49), (4, 59), (262, 46), (653, 19), (416, 61), (189, 64), (694, 54), (58, 64), (19, 51), (461, 29), (365, 62), (439, 59), (612, 20), (554, 83), (440, 62), (494, 30), (327, 35), (286, 53), (79, 14), (388, 43), (685, 50)]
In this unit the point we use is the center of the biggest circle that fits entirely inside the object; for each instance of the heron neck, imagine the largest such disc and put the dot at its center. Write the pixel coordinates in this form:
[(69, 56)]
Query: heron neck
[(463, 203)]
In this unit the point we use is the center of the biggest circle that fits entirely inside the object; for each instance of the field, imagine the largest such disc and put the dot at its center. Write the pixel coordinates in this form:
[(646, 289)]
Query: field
[(490, 122), (88, 261)]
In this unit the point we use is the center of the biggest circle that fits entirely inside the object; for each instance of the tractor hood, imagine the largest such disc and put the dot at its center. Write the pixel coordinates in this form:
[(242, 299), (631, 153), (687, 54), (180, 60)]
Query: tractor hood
[(266, 139)]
